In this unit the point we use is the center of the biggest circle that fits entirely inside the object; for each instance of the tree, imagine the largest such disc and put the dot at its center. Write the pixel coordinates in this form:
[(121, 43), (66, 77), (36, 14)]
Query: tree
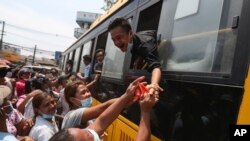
[(108, 4)]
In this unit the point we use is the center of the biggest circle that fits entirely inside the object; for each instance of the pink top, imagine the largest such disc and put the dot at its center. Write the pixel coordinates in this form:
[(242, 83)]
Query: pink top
[(14, 118), (20, 100), (20, 87)]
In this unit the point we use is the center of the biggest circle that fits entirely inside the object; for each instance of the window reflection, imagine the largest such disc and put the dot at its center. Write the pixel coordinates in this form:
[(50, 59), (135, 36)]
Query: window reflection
[(199, 42), (113, 61)]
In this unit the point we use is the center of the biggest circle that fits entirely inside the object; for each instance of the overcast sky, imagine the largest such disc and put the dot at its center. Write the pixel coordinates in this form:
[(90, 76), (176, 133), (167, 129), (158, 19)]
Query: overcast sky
[(57, 17)]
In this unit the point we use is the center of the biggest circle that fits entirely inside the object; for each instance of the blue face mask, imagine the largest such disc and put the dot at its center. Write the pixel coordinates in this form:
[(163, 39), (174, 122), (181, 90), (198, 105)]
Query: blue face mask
[(48, 116), (86, 102)]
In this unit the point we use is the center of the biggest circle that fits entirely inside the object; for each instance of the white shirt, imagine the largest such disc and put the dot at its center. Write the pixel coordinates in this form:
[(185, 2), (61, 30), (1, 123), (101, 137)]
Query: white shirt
[(73, 118), (65, 105), (29, 112), (43, 130)]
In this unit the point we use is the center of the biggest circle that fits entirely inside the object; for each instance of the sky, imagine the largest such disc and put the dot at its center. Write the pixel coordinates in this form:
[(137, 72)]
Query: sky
[(48, 24)]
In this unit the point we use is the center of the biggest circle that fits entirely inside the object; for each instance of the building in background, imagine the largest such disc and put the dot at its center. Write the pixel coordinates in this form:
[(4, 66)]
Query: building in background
[(10, 53), (84, 20)]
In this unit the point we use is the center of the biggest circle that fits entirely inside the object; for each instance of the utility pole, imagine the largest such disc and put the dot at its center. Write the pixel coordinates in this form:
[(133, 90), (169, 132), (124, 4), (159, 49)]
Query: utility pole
[(1, 45), (34, 54)]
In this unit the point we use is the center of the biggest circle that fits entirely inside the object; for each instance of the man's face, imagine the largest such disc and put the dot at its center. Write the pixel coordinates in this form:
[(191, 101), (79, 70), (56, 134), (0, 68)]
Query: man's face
[(99, 56), (85, 62), (121, 38)]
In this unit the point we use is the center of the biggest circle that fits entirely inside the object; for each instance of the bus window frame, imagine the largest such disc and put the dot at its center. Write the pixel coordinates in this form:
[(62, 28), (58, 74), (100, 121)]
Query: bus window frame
[(130, 14), (136, 72)]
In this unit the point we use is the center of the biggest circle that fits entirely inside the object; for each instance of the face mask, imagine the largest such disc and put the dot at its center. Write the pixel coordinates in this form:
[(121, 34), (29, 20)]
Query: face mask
[(48, 116), (86, 102), (95, 135)]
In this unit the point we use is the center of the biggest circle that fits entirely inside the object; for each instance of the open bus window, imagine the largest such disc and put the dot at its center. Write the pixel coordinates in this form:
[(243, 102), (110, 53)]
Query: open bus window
[(76, 59), (99, 52), (201, 42), (85, 51), (113, 61), (146, 23), (149, 18)]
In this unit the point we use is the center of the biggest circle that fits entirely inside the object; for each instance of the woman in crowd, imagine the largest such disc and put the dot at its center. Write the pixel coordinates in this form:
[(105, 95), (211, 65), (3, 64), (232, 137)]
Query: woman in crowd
[(78, 97), (45, 109)]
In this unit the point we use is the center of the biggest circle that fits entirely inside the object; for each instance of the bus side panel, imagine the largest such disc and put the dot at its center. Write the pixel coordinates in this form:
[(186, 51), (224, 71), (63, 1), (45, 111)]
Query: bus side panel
[(244, 114)]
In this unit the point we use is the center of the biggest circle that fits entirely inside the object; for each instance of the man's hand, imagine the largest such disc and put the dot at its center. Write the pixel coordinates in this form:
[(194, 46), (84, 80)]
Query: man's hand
[(154, 89)]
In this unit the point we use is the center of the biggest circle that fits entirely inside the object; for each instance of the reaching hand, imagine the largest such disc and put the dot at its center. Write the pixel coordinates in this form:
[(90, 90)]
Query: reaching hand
[(147, 102), (34, 93), (154, 89), (132, 87)]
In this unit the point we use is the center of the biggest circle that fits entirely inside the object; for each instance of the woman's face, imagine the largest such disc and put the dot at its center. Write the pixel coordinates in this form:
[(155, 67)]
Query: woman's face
[(82, 92), (48, 106), (25, 76)]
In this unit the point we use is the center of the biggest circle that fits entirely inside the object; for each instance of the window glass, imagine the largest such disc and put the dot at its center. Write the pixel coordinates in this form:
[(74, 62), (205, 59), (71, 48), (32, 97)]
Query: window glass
[(201, 42), (76, 59), (85, 51), (113, 61), (70, 55), (186, 8)]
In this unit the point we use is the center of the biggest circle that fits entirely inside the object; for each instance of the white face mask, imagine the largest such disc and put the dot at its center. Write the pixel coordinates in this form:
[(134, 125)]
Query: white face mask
[(95, 135)]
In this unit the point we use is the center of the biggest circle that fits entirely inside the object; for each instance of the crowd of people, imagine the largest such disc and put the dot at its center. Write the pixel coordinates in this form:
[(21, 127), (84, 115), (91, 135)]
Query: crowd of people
[(54, 106)]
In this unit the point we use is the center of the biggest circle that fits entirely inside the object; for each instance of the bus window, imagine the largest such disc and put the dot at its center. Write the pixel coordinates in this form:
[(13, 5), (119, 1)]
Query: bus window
[(76, 59), (113, 61), (200, 39), (146, 23), (70, 55), (99, 52), (102, 40), (85, 51)]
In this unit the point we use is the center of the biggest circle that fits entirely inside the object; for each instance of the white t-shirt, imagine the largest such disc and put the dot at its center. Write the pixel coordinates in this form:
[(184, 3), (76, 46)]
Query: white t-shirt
[(43, 130), (73, 118), (65, 105), (28, 111), (4, 136)]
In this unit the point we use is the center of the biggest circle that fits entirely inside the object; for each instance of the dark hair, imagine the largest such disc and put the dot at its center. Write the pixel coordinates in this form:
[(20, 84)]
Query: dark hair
[(70, 91), (3, 72), (53, 70), (62, 135), (38, 100), (70, 62), (37, 83), (28, 86), (23, 71), (99, 50), (122, 22), (87, 58), (61, 79)]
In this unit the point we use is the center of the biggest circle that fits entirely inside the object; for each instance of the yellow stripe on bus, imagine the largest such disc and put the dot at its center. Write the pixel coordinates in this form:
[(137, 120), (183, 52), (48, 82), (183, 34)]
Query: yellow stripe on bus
[(244, 114)]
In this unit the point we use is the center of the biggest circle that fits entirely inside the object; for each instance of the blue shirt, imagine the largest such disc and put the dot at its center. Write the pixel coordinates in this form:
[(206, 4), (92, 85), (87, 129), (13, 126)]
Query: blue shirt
[(87, 71)]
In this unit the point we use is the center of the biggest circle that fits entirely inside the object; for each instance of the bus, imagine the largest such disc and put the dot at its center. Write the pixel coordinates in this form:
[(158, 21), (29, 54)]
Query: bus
[(204, 50)]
